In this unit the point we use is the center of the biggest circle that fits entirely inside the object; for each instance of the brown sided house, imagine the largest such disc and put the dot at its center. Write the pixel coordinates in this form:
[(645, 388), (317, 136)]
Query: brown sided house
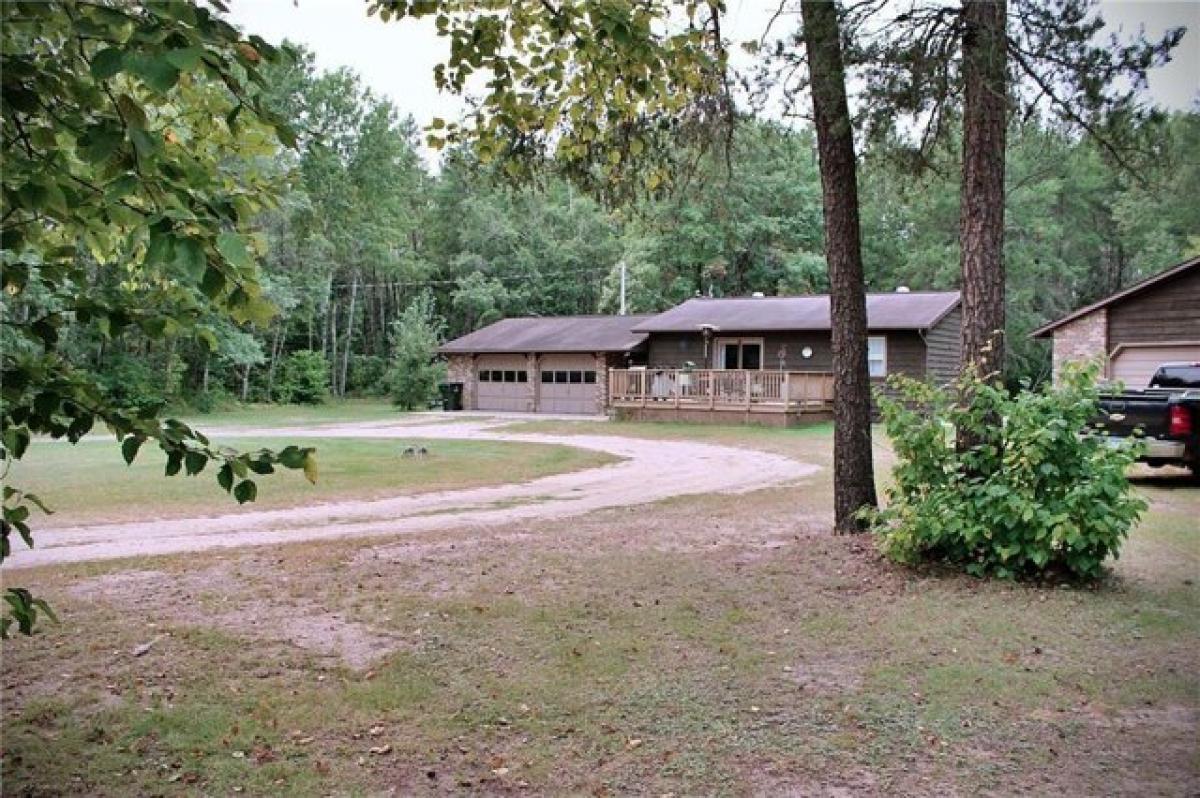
[(1133, 331), (769, 359), (765, 359), (543, 365)]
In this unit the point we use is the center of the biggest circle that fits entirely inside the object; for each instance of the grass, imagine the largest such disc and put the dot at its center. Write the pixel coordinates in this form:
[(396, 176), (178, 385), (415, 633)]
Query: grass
[(275, 415), (699, 646), (90, 482)]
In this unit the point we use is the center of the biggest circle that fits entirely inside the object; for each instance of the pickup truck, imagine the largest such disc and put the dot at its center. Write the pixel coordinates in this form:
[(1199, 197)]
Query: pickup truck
[(1166, 414)]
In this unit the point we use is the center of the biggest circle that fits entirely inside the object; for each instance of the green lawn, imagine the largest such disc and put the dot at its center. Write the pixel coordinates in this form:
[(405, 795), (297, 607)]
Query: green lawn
[(705, 645), (272, 415), (91, 483)]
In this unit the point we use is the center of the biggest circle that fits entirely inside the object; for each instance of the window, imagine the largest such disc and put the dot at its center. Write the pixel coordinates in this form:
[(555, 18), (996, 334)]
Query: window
[(547, 377), (576, 377), (510, 376), (522, 376), (739, 353), (560, 377), (877, 356), (589, 377), (485, 376)]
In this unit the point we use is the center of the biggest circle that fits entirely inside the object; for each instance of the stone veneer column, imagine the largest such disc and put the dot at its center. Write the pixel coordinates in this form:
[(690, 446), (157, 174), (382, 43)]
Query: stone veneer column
[(534, 386), (1086, 338), (461, 368), (602, 366)]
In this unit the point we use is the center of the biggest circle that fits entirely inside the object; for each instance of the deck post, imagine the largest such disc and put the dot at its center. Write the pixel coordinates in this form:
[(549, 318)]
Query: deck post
[(785, 392), (746, 386)]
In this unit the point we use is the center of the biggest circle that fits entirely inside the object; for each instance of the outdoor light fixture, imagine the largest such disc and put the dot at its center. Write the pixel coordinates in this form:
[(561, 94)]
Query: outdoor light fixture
[(806, 352)]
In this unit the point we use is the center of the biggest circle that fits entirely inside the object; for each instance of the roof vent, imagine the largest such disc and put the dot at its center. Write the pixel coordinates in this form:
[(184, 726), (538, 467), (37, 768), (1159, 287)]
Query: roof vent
[(758, 295), (902, 289)]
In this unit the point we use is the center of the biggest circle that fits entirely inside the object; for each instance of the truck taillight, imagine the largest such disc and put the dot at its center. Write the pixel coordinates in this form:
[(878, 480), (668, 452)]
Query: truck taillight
[(1180, 422)]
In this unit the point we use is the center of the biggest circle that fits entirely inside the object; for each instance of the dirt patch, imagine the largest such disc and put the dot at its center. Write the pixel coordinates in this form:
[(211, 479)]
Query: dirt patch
[(203, 599)]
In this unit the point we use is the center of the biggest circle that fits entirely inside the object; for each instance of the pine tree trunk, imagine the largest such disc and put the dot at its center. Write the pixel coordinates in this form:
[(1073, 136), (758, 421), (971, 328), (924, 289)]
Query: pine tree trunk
[(853, 473), (981, 225)]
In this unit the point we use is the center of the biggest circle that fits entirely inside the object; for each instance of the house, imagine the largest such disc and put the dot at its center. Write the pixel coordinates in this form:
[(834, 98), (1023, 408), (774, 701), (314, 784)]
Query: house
[(1131, 332), (766, 359), (555, 364), (770, 359)]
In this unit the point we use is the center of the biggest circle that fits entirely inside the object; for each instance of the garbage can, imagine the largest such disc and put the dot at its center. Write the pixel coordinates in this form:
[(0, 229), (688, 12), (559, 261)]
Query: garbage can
[(452, 395)]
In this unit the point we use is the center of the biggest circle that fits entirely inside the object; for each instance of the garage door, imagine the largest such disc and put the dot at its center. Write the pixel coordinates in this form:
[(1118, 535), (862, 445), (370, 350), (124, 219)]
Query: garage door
[(503, 383), (1135, 365), (568, 384)]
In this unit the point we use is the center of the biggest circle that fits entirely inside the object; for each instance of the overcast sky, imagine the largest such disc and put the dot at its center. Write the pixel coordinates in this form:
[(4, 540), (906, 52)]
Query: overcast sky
[(397, 59)]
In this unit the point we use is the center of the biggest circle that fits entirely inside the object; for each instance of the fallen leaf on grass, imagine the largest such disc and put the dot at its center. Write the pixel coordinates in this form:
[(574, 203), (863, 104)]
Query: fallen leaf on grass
[(380, 750)]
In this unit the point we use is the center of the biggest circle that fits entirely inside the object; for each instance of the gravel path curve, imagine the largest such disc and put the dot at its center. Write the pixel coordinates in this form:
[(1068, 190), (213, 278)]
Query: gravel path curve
[(653, 470)]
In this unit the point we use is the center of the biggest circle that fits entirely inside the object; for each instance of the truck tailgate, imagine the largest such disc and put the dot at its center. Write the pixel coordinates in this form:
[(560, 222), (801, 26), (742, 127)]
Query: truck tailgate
[(1141, 410)]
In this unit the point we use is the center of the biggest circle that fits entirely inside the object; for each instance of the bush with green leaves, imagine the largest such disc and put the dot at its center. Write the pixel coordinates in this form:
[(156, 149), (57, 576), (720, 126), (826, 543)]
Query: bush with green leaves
[(1037, 491), (140, 384), (416, 372), (368, 375), (303, 379)]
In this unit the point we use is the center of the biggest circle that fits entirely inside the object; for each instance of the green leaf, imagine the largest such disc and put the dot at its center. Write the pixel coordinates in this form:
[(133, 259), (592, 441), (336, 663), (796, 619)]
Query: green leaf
[(246, 491), (144, 143), (107, 63), (130, 446), (174, 463), (158, 73), (293, 457), (189, 257), (194, 462), (233, 249), (310, 467), (100, 142), (225, 477), (186, 58)]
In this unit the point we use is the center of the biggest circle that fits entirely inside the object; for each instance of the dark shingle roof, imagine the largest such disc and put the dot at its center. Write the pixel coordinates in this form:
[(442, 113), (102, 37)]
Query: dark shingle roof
[(1136, 288), (552, 334), (915, 310)]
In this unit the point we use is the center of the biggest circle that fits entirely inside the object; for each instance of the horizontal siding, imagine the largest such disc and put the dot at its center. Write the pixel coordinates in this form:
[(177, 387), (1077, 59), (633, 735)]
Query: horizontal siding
[(1169, 311), (673, 350), (906, 351), (943, 342)]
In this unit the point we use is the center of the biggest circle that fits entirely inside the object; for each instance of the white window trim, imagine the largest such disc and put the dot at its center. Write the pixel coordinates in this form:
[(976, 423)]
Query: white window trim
[(883, 339), (719, 350)]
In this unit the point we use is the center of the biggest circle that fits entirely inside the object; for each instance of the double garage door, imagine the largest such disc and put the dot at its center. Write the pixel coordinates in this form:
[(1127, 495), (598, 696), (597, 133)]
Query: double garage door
[(1135, 365), (503, 383), (566, 384)]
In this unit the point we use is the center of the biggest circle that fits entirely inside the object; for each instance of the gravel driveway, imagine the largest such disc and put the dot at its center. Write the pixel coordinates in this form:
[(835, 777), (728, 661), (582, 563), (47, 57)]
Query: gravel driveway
[(651, 471)]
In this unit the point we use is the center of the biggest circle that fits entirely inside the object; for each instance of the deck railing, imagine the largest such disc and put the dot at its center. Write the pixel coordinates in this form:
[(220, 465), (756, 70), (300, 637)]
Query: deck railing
[(798, 391)]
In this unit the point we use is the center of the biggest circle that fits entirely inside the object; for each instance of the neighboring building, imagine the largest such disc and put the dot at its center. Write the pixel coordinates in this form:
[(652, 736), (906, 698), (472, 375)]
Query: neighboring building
[(766, 357), (543, 365), (1131, 332)]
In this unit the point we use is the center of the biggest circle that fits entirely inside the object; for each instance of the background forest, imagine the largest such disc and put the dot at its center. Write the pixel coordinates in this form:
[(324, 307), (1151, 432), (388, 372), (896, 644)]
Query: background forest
[(372, 257)]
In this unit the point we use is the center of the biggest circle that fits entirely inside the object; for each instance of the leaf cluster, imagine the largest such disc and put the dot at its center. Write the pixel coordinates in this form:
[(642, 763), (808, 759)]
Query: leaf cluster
[(1040, 492)]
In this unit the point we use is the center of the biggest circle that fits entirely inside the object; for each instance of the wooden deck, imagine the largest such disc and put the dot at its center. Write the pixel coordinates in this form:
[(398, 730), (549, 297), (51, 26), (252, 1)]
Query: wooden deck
[(721, 396)]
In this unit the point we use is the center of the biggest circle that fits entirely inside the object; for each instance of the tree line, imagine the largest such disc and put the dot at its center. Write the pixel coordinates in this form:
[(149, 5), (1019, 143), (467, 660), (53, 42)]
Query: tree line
[(364, 228)]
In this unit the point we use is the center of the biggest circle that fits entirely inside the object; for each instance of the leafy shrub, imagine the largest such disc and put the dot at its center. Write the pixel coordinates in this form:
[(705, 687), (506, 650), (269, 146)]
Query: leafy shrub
[(303, 378), (1037, 491), (139, 384), (415, 373), (368, 375), (214, 399)]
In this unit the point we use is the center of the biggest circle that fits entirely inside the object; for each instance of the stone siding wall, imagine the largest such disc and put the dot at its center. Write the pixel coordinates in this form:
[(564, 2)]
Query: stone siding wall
[(1086, 338), (460, 368)]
